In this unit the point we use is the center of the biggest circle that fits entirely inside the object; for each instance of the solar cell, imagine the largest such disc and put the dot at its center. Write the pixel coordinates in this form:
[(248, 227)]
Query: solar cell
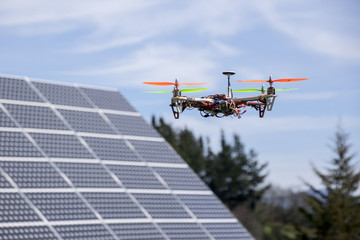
[(31, 233), (17, 89), (61, 206), (29, 174), (132, 125), (13, 208), (152, 151), (111, 149), (4, 183), (182, 231), (62, 94), (227, 231), (114, 205), (136, 177), (213, 208), (87, 175), (139, 231), (181, 179), (162, 205), (107, 99), (5, 121), (88, 232), (15, 144), (82, 121), (61, 145), (35, 117)]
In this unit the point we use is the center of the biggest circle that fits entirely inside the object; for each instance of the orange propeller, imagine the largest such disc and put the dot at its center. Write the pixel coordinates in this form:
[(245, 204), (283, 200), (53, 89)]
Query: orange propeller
[(276, 80)]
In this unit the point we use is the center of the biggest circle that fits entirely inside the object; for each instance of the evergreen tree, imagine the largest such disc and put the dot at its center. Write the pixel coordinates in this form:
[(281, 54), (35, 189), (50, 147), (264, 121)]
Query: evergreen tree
[(334, 211), (235, 176)]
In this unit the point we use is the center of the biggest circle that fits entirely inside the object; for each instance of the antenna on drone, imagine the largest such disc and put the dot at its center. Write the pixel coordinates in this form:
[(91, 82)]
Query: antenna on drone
[(229, 93)]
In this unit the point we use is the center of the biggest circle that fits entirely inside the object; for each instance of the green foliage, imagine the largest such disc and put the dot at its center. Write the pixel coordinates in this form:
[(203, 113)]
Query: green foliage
[(334, 212), (234, 176), (279, 213)]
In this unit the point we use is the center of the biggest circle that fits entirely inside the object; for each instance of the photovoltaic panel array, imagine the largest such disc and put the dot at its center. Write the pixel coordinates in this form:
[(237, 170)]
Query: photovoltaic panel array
[(79, 162)]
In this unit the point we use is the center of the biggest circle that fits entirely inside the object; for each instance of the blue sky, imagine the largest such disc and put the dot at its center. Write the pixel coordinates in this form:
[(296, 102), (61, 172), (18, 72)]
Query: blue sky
[(120, 44)]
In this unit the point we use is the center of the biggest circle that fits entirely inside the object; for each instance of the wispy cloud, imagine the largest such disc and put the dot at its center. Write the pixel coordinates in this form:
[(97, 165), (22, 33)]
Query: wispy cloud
[(315, 26), (101, 46), (117, 23), (156, 63)]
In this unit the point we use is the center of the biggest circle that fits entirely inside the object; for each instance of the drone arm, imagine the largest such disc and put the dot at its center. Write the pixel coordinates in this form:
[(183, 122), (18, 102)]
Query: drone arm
[(207, 100)]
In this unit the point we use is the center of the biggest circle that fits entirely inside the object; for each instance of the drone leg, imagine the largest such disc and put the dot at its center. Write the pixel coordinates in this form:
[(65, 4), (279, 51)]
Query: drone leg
[(262, 109), (175, 112), (270, 103)]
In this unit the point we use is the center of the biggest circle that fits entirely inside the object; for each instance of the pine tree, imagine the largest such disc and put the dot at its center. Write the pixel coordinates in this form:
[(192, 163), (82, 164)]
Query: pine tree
[(334, 211), (234, 176)]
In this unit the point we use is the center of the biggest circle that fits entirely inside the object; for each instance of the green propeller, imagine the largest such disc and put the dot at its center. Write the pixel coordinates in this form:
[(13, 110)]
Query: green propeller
[(257, 89), (286, 89), (247, 90), (182, 90)]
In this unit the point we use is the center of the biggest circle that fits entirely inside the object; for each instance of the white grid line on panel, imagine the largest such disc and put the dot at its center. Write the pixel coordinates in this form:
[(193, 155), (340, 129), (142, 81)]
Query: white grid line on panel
[(89, 160), (97, 110), (72, 84), (66, 107), (117, 221), (107, 190), (82, 134), (26, 103), (22, 159)]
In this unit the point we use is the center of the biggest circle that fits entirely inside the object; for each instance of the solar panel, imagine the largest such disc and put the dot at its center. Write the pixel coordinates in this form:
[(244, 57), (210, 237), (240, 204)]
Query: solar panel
[(79, 162)]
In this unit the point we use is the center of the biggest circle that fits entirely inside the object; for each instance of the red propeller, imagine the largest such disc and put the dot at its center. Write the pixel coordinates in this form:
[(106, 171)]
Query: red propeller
[(276, 80)]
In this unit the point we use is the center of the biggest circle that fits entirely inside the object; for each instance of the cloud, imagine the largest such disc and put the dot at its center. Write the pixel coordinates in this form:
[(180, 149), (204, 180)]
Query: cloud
[(112, 23), (315, 26), (106, 45), (156, 63)]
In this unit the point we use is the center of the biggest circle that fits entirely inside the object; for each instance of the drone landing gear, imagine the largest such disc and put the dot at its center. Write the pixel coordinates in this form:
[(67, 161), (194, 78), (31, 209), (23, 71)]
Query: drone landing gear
[(175, 112), (261, 110), (177, 108)]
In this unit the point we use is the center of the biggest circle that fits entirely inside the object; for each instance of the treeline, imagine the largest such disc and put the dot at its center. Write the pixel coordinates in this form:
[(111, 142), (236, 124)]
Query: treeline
[(269, 212)]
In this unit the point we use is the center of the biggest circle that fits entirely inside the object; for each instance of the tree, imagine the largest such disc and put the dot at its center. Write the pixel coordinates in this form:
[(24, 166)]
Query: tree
[(234, 176), (279, 213), (334, 211)]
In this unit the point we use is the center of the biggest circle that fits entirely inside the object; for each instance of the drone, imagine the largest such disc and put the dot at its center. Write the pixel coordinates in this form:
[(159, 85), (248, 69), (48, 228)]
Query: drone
[(223, 105)]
